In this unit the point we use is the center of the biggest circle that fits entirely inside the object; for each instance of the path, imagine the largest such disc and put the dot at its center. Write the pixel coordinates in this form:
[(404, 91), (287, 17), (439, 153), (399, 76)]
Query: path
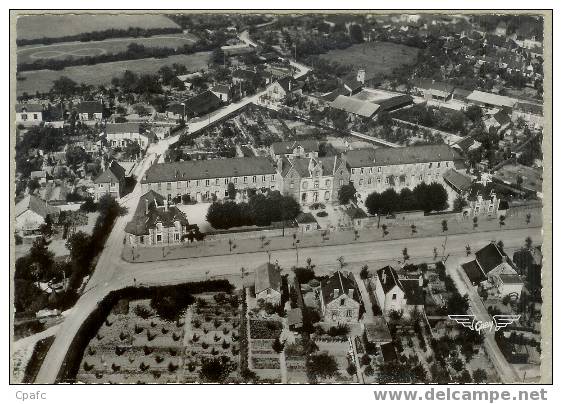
[(173, 272)]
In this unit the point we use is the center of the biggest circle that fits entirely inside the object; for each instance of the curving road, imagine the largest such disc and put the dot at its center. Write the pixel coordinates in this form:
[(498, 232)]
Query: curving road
[(116, 274)]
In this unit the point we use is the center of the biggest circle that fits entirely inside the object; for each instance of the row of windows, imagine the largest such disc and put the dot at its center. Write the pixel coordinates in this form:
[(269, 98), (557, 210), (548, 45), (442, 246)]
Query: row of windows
[(216, 181), (370, 170), (316, 184)]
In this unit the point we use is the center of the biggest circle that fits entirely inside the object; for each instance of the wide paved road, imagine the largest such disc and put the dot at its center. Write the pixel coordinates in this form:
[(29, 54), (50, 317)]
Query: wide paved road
[(176, 271)]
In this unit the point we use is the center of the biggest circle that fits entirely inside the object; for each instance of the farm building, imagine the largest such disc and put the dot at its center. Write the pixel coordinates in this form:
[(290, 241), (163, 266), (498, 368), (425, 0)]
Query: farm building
[(29, 114), (89, 111), (268, 283), (31, 213), (355, 107), (490, 100)]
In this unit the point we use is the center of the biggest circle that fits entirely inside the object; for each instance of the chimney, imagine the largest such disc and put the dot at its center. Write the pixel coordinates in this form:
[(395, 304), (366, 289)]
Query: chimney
[(420, 281), (146, 206), (383, 277), (350, 292), (165, 205), (289, 85), (336, 293)]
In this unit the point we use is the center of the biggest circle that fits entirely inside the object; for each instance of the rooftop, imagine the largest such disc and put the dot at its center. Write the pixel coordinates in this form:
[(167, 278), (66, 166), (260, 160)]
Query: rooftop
[(354, 106), (492, 99), (204, 169), (402, 155), (267, 276), (33, 203), (126, 127), (113, 174), (342, 283), (90, 107), (459, 182), (288, 147)]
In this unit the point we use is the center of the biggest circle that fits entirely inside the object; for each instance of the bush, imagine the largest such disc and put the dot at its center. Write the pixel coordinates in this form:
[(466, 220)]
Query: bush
[(322, 214), (304, 275), (346, 194)]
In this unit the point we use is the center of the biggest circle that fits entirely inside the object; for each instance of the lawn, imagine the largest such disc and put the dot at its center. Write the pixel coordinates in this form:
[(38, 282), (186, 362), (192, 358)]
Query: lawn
[(102, 73), (54, 26), (376, 57), (32, 53)]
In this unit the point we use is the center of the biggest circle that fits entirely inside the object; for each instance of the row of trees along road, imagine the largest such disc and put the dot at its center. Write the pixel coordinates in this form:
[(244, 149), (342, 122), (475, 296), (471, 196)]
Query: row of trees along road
[(426, 197), (261, 210)]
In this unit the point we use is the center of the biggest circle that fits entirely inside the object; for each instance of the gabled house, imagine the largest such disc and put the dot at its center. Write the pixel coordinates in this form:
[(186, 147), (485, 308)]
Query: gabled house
[(500, 120), (222, 91), (90, 111), (31, 213), (339, 299), (156, 222), (307, 222), (29, 114), (398, 294), (268, 283), (120, 134), (295, 148), (434, 90), (282, 87), (493, 267), (110, 181)]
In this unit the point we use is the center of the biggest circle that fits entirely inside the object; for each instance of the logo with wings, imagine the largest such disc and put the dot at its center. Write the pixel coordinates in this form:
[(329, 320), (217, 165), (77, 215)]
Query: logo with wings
[(499, 321)]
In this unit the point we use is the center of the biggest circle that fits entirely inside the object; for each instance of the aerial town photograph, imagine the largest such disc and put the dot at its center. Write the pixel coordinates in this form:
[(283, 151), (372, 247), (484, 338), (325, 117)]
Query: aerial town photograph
[(280, 197)]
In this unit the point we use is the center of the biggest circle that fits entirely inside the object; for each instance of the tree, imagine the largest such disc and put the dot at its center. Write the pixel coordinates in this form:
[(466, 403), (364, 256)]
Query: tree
[(459, 203), (528, 243), (64, 87), (80, 247), (356, 33), (364, 274), (346, 194), (479, 376), (304, 275), (231, 191), (277, 345), (444, 226), (351, 369), (41, 260), (216, 370), (528, 218), (320, 366), (474, 113), (474, 222), (502, 220)]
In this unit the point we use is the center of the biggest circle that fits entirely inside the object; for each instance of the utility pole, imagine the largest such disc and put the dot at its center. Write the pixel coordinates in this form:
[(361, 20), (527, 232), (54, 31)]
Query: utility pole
[(444, 246)]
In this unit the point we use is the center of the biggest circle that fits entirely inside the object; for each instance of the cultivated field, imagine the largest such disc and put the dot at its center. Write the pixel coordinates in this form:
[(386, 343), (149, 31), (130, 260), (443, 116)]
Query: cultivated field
[(54, 26), (376, 57), (32, 53), (102, 73)]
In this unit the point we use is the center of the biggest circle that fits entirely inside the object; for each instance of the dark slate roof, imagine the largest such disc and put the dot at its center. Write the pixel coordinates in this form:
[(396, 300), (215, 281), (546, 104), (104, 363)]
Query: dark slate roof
[(413, 292), (288, 147), (90, 107), (33, 203), (489, 257), (502, 117), (29, 108), (511, 279), (244, 74), (465, 143), (113, 173), (157, 213), (203, 169), (391, 278), (221, 88), (202, 103), (352, 84), (126, 127), (388, 352), (474, 272), (401, 155), (305, 218), (461, 93), (391, 103), (294, 317), (354, 106), (267, 276), (341, 282), (300, 165), (332, 95), (529, 108), (460, 182)]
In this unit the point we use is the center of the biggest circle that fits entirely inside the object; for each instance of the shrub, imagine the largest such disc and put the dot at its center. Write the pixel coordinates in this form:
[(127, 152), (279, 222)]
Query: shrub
[(322, 213)]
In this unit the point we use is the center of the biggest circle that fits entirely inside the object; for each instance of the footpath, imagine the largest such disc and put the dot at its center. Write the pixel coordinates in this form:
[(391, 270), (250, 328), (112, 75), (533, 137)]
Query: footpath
[(230, 244)]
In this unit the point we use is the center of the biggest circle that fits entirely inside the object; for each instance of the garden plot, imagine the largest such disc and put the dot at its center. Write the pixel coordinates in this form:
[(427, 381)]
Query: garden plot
[(340, 351), (135, 347), (263, 358), (212, 331)]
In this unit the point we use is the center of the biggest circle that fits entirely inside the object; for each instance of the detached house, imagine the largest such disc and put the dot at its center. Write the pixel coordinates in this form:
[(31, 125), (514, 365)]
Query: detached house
[(90, 111), (156, 222), (29, 114), (282, 87), (339, 299), (110, 181), (31, 213), (492, 267), (434, 90), (399, 294), (268, 283), (120, 134)]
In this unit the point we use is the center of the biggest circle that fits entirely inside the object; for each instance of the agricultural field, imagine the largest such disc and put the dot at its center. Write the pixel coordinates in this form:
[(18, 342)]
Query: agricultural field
[(378, 57), (55, 26), (136, 345), (102, 73), (33, 53)]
